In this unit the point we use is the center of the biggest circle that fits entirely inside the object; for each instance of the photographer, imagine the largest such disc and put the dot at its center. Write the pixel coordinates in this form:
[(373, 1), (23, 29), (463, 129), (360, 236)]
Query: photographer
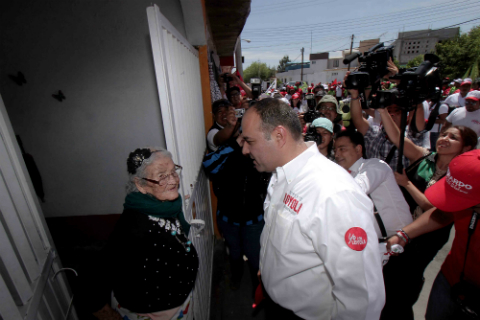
[(232, 81), (377, 143), (226, 124), (456, 291)]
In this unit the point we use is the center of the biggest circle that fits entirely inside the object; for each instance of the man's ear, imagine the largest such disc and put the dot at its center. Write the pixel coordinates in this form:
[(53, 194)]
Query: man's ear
[(140, 186), (279, 135), (358, 150)]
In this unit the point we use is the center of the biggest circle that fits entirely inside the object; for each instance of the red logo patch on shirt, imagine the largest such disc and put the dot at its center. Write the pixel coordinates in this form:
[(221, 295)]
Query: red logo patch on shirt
[(356, 238)]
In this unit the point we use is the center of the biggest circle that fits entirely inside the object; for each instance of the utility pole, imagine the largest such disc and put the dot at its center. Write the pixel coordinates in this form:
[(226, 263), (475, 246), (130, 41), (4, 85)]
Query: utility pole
[(351, 47), (301, 75)]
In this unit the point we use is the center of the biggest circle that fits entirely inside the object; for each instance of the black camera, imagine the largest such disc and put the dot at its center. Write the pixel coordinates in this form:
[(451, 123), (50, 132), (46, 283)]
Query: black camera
[(226, 78), (256, 87), (311, 103), (385, 98), (312, 135), (311, 115), (373, 67)]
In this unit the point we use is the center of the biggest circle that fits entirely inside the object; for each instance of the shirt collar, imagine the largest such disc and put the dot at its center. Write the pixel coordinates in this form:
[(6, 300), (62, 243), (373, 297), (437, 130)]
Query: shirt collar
[(221, 127), (355, 168), (292, 168)]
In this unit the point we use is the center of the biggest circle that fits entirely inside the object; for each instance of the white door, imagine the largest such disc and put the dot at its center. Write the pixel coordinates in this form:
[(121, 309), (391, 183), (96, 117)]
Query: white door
[(177, 70), (29, 288)]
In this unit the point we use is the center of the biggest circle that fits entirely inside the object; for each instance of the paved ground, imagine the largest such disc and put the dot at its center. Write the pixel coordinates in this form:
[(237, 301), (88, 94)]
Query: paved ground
[(237, 305)]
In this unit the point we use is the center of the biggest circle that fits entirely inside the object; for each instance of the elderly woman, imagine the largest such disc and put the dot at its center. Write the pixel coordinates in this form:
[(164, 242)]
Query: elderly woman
[(149, 266)]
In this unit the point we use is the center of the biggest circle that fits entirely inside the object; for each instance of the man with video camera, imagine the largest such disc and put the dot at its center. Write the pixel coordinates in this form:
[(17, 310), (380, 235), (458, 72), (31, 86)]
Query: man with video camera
[(377, 144)]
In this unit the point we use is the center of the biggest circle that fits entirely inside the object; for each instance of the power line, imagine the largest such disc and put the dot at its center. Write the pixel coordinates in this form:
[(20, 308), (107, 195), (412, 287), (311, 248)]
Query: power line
[(369, 18), (437, 19)]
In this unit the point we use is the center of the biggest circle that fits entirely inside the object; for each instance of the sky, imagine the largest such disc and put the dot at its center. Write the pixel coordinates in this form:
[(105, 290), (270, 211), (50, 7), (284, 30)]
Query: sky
[(277, 28)]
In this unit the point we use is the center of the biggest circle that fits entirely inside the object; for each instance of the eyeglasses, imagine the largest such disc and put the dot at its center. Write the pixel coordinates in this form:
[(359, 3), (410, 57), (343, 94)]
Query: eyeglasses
[(327, 109), (470, 101), (163, 179)]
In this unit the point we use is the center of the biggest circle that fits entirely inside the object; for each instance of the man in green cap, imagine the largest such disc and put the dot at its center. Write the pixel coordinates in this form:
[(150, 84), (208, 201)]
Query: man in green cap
[(330, 108)]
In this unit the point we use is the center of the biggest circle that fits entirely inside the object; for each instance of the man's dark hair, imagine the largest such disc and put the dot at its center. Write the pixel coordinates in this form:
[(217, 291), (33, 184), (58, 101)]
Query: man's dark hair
[(318, 87), (275, 112), (355, 137), (220, 103)]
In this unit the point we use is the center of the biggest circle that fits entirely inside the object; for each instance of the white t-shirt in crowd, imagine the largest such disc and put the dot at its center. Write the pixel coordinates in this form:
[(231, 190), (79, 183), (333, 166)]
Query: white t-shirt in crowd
[(442, 110), (338, 91), (461, 117), (455, 100)]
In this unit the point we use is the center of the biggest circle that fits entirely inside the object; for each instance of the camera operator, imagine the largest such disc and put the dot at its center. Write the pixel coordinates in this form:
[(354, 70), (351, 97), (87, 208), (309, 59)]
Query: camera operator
[(324, 128), (232, 81), (377, 143), (226, 124)]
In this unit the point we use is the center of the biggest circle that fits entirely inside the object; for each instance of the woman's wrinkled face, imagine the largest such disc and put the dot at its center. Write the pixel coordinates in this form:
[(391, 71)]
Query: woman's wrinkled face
[(157, 170)]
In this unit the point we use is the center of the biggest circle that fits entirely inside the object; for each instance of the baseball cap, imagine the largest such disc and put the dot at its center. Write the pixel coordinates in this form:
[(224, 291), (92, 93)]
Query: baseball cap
[(473, 95), (466, 81), (332, 99), (323, 123), (460, 188), (458, 80)]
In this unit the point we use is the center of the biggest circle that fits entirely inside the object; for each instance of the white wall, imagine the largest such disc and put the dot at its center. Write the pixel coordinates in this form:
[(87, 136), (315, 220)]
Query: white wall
[(98, 53)]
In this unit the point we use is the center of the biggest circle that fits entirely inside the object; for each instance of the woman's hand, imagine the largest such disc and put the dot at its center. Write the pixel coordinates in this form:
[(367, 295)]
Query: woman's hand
[(392, 68), (402, 179), (394, 240)]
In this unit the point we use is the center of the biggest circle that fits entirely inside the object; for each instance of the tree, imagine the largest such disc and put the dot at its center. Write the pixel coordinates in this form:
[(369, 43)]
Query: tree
[(459, 56), (258, 70), (396, 62), (415, 62), (283, 64)]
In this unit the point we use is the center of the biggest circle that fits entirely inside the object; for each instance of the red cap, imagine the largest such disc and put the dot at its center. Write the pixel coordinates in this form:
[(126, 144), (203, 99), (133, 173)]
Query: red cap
[(466, 81), (296, 96), (460, 188)]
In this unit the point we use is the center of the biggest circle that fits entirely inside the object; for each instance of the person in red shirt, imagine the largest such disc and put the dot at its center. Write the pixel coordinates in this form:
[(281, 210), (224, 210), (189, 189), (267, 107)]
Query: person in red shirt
[(456, 291)]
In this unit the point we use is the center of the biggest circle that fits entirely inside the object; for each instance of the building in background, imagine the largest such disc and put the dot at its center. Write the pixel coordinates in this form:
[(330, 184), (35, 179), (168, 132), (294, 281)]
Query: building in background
[(413, 43)]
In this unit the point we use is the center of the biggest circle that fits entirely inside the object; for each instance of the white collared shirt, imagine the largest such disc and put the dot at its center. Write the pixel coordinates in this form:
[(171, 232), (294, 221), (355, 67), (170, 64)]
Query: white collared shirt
[(376, 179), (309, 260)]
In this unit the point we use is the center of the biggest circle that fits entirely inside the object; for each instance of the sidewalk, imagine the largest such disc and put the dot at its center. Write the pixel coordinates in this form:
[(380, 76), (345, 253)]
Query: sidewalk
[(237, 305)]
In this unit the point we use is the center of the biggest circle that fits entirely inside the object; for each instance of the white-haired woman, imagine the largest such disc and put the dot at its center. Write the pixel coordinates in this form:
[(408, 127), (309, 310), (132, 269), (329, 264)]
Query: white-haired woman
[(149, 266)]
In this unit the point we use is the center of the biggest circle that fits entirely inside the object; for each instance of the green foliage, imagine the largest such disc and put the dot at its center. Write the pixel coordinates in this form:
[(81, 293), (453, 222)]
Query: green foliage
[(397, 63), (282, 64), (258, 70), (459, 56), (415, 62)]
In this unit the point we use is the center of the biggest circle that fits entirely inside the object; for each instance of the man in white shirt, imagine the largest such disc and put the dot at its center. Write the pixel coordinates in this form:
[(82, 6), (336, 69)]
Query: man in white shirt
[(468, 116), (376, 179), (457, 100), (319, 249)]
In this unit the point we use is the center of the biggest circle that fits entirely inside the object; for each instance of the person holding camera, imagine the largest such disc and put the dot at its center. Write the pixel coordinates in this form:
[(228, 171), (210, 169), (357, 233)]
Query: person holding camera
[(377, 143), (324, 129), (225, 127), (456, 198)]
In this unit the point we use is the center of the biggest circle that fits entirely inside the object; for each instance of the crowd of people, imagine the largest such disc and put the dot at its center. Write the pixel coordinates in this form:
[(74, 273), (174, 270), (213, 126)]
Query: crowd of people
[(311, 191), (332, 206)]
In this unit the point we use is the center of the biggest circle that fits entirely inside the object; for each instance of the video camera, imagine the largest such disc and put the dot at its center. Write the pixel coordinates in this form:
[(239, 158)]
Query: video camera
[(312, 135), (311, 115), (416, 85), (256, 87), (311, 103)]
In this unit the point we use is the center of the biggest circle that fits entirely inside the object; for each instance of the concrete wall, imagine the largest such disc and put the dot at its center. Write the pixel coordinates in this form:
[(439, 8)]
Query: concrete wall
[(98, 54)]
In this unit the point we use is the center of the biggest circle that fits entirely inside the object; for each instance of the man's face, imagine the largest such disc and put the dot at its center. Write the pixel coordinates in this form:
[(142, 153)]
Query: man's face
[(329, 110), (261, 150), (465, 89), (235, 98), (472, 105), (221, 116), (346, 154)]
